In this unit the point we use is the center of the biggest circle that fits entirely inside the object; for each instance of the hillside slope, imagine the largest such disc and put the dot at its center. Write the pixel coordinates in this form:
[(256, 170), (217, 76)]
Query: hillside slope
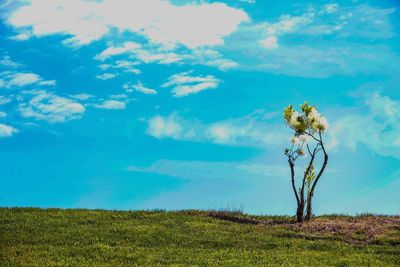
[(37, 237)]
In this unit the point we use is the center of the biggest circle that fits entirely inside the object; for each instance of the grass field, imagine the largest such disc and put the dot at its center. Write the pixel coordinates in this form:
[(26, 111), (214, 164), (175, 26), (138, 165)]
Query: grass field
[(52, 237)]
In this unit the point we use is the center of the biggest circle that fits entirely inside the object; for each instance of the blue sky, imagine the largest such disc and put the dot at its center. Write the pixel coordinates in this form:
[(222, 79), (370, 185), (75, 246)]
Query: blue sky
[(177, 104)]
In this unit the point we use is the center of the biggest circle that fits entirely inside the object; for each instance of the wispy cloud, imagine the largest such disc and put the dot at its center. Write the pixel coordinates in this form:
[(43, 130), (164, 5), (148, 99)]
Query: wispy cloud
[(5, 100), (124, 65), (48, 83), (286, 24), (147, 54), (116, 51), (42, 105), (6, 61), (111, 104), (81, 96), (12, 77), (322, 41), (185, 83), (253, 130), (205, 170), (161, 127), (139, 87), (377, 129), (7, 130), (106, 76), (20, 79), (362, 21)]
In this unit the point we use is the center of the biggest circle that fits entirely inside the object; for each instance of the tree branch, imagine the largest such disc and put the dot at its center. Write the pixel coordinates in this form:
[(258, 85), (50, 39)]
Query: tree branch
[(293, 182), (319, 141), (323, 165), (308, 169)]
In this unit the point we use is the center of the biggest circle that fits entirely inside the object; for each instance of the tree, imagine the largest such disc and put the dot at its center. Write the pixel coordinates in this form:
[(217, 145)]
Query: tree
[(308, 126)]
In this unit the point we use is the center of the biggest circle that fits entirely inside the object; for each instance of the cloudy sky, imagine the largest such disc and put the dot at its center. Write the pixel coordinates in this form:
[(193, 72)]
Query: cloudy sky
[(177, 104)]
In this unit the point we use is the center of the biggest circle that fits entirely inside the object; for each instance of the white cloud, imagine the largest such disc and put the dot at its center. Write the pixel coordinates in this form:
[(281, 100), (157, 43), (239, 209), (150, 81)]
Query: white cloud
[(4, 100), (248, 1), (139, 87), (148, 54), (72, 17), (270, 42), (331, 8), (22, 79), (160, 57), (159, 21), (367, 22), (377, 129), (47, 106), (161, 127), (184, 83), (212, 58), (184, 90), (82, 96), (119, 96), (242, 133), (7, 130), (8, 62), (224, 133), (253, 130), (320, 60), (127, 66), (11, 79), (3, 114), (124, 65), (362, 21), (115, 51), (48, 83), (21, 37), (201, 170), (111, 104), (286, 24), (106, 76), (348, 52)]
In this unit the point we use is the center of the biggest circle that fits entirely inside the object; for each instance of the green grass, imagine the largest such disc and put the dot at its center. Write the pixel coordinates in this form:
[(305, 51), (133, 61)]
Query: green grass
[(53, 237)]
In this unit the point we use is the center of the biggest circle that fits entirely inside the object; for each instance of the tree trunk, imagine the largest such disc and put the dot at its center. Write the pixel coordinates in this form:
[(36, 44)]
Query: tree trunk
[(300, 213), (309, 207), (311, 194), (299, 201)]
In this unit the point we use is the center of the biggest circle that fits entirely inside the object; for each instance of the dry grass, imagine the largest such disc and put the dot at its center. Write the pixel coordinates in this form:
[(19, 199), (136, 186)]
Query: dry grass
[(363, 229), (359, 229)]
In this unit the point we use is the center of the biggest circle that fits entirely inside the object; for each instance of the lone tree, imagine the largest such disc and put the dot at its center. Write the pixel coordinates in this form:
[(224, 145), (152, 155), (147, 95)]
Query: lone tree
[(308, 126)]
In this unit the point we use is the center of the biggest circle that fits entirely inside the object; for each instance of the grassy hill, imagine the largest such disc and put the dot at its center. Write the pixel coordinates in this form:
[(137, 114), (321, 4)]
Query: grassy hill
[(53, 237)]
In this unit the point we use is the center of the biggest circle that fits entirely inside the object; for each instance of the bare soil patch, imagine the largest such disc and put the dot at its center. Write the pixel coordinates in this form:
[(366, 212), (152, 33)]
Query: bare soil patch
[(364, 229), (360, 229)]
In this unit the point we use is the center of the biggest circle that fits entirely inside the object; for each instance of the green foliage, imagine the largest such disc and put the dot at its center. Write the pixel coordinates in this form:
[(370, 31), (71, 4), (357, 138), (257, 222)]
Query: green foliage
[(308, 120), (288, 112), (35, 237), (306, 108), (310, 176)]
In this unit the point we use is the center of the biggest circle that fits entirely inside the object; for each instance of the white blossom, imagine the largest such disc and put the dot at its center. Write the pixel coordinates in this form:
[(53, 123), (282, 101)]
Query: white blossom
[(315, 125), (313, 115), (303, 138), (295, 140), (293, 119), (324, 125)]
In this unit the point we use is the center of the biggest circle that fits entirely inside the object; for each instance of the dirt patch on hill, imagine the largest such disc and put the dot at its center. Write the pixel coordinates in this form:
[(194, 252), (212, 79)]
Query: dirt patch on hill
[(361, 229), (354, 230)]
